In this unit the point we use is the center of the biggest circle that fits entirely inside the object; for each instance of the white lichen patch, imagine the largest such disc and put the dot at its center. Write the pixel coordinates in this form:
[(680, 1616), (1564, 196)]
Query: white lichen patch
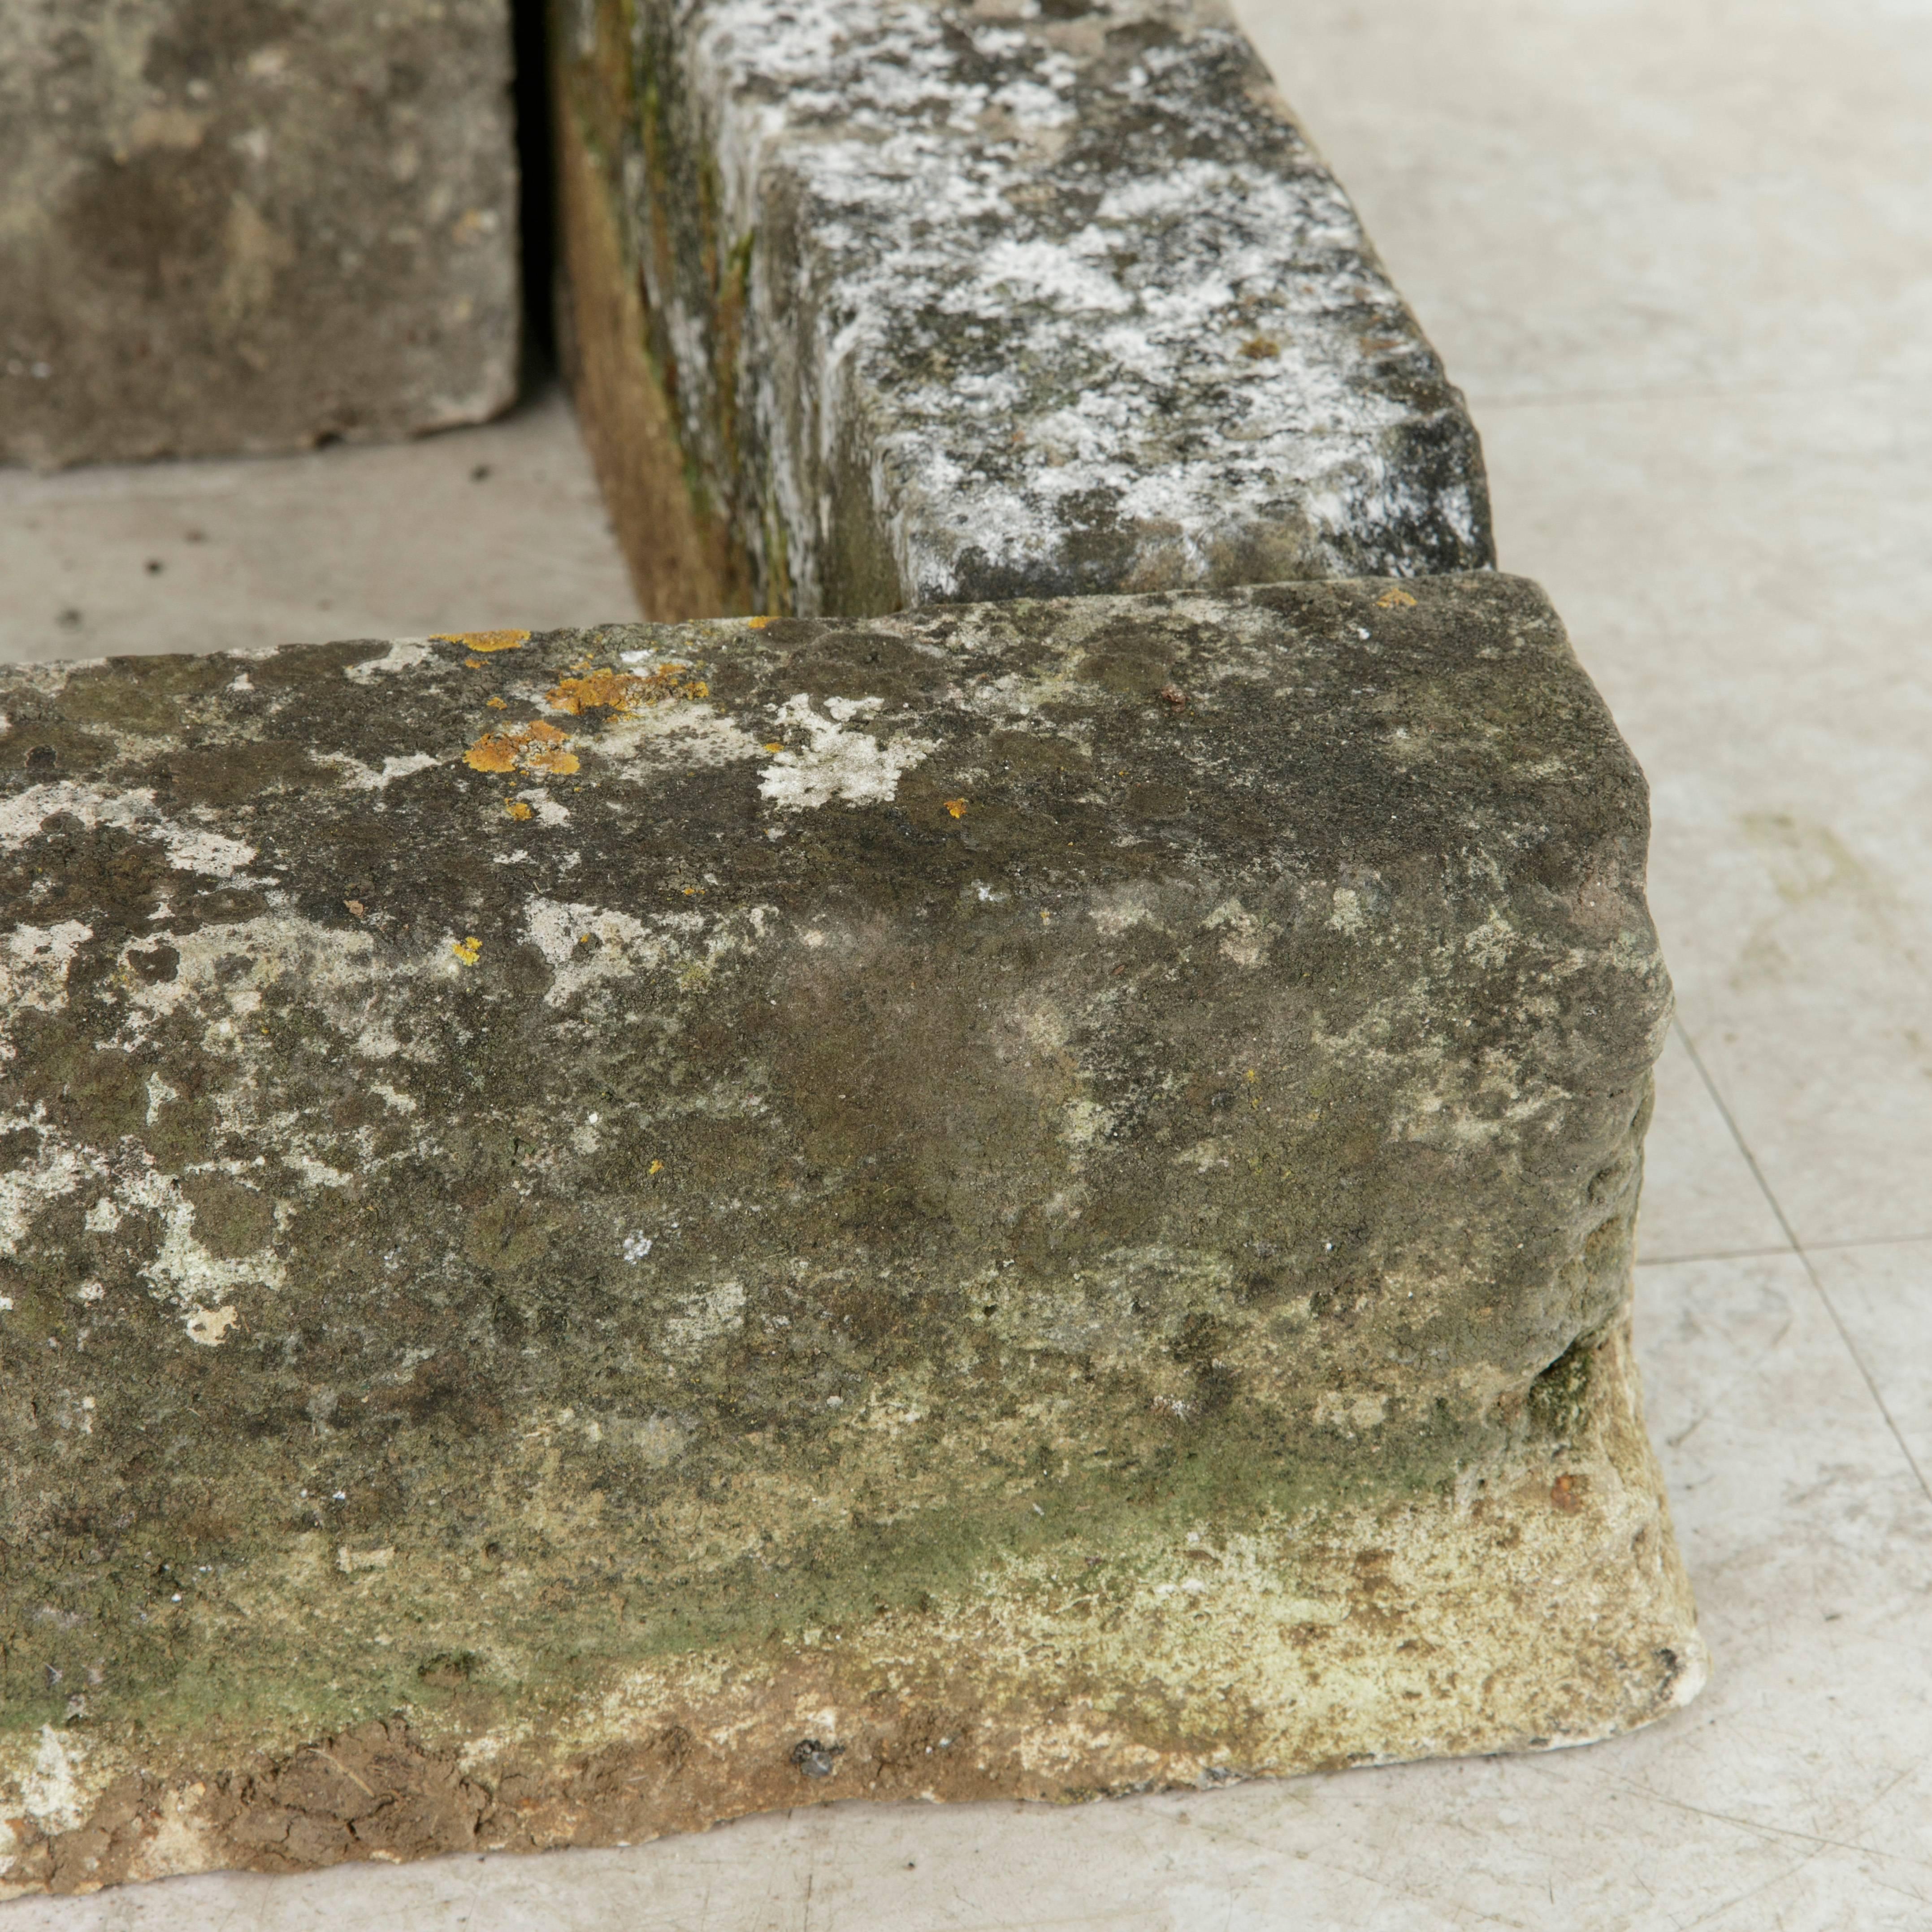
[(706, 1316), (33, 963), (1347, 1409), (1117, 909), (189, 849), (837, 761), (403, 654), (55, 1169), (54, 1791), (583, 943), (183, 1270), (680, 735), (1245, 935), (1346, 916), (656, 1440), (1211, 1151), (546, 808), (1036, 288), (1491, 943), (208, 1326), (359, 777), (337, 969)]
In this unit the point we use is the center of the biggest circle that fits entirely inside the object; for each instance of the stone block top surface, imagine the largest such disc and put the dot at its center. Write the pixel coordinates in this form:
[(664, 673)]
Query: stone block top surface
[(973, 302), (660, 1183), (227, 227)]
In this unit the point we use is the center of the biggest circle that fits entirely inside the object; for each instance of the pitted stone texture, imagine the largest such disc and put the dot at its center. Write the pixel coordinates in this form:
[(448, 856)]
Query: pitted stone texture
[(608, 1229), (955, 303), (227, 227)]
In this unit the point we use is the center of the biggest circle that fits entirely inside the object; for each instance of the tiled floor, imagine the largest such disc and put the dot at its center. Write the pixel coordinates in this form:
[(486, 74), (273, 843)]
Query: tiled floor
[(1681, 256)]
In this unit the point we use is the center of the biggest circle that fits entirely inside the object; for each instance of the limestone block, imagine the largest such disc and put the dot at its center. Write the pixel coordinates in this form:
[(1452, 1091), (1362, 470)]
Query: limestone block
[(604, 1230), (228, 226), (884, 303)]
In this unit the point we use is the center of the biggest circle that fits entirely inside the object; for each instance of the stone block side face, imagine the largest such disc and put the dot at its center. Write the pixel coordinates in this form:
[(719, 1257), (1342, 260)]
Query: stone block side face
[(676, 537), (230, 227), (951, 306), (1028, 1199)]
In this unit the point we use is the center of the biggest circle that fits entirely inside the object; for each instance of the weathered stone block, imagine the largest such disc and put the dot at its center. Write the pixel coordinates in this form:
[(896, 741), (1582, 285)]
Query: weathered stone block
[(882, 303), (226, 226), (604, 1230)]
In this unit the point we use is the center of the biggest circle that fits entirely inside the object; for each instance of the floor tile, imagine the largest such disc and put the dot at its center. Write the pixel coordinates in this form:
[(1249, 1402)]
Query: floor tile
[(1588, 197), (1760, 630), (472, 529), (1700, 1198), (1883, 1296)]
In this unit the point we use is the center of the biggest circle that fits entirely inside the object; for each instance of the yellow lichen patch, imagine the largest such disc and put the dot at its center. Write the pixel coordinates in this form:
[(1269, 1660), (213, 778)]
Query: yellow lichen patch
[(1391, 600), (552, 764), (496, 704), (483, 640), (473, 664), (535, 747), (612, 690), (623, 691), (491, 753), (466, 949), (657, 1167), (516, 807), (957, 806), (757, 623)]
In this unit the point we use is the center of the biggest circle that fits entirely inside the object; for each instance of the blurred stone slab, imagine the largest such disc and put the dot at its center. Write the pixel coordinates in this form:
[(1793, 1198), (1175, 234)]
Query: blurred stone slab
[(883, 303), (226, 227), (604, 1230)]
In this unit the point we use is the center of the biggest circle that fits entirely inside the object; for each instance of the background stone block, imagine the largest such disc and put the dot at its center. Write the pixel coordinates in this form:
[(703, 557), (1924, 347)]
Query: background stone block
[(609, 1229), (227, 227), (882, 303)]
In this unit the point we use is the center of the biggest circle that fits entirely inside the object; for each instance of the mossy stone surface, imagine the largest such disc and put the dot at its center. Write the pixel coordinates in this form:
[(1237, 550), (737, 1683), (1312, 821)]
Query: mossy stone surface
[(233, 226), (949, 302), (652, 1210)]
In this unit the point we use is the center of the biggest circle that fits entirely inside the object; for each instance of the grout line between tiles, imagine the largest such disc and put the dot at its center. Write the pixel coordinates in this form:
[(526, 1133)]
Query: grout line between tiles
[(1815, 1247), (1709, 1255), (1817, 1281), (1480, 405), (1873, 1241)]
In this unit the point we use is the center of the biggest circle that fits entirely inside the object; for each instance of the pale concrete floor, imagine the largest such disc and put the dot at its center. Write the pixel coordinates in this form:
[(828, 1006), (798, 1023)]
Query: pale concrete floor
[(480, 529), (1679, 252)]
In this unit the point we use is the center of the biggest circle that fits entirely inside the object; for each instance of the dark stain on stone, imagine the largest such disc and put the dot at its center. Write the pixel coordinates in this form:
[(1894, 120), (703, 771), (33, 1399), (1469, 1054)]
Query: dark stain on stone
[(228, 773), (816, 1760)]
